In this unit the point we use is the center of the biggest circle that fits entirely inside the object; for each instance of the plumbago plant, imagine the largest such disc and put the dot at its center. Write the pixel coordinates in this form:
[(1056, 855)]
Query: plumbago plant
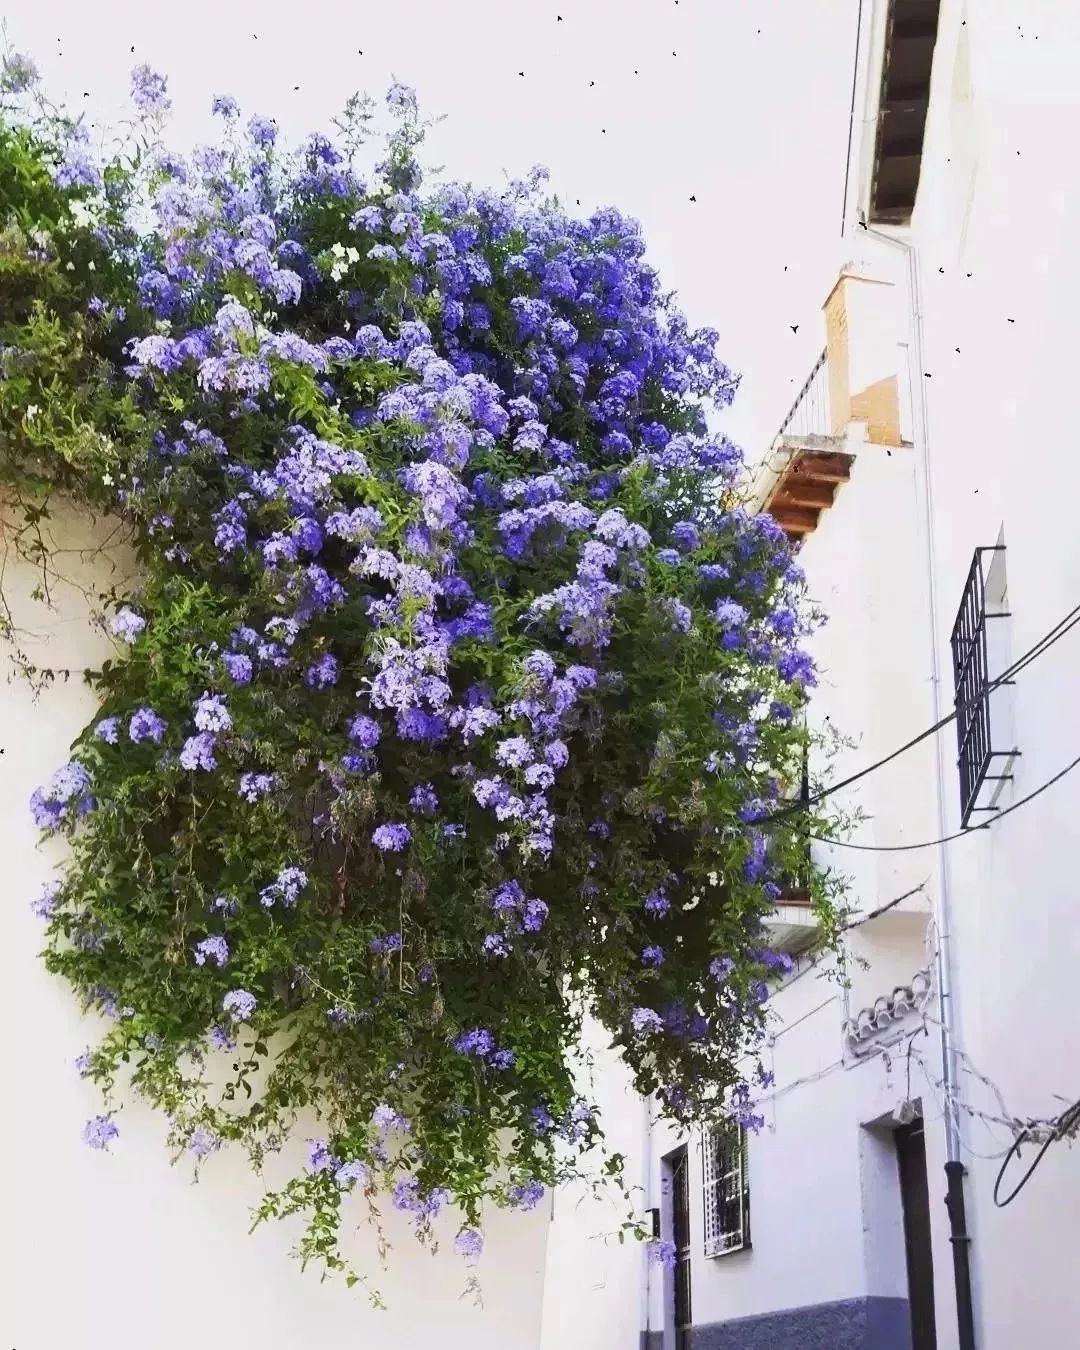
[(457, 684)]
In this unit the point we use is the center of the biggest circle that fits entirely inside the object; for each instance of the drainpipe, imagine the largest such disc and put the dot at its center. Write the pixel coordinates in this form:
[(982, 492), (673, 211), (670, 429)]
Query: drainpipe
[(954, 1167), (646, 1189)]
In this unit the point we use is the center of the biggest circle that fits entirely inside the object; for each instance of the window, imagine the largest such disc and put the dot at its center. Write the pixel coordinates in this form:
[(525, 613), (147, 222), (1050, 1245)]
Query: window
[(726, 1188), (984, 605), (794, 876)]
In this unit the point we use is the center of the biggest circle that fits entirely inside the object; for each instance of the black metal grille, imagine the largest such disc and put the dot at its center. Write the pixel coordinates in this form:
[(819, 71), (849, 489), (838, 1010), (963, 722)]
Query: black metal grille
[(971, 680), (726, 1182)]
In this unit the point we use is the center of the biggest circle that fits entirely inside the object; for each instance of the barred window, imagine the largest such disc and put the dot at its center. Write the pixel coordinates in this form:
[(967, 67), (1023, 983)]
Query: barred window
[(983, 709), (726, 1185)]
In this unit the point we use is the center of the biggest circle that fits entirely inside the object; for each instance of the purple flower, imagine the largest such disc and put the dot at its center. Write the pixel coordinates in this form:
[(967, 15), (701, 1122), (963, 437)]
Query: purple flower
[(220, 1039), (656, 902), (146, 725), (349, 1173), (256, 785), (286, 887), (729, 614), (320, 1159), (224, 105), (645, 1019), (502, 1059), (476, 1042), (424, 800), (203, 1142), (198, 752), (148, 91), (514, 752), (527, 1196), (323, 673), (99, 1132), (68, 788), (469, 1244), (262, 130), (108, 730), (652, 956), (44, 904), (84, 1064), (364, 731), (391, 838), (496, 945), (239, 1004), (17, 73), (126, 625), (662, 1253), (686, 536), (720, 967), (401, 99), (238, 666), (211, 714), (542, 1119), (212, 949)]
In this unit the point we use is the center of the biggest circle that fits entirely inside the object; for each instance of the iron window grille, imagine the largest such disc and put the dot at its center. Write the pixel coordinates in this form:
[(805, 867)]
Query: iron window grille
[(971, 678), (726, 1187)]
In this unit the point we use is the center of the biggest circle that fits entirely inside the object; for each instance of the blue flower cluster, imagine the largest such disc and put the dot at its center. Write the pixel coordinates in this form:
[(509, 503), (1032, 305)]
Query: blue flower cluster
[(451, 702)]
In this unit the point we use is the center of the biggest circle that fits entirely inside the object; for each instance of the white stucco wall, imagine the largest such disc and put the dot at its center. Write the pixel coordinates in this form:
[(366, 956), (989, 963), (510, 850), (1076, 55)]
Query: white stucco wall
[(996, 223), (594, 1284), (118, 1250)]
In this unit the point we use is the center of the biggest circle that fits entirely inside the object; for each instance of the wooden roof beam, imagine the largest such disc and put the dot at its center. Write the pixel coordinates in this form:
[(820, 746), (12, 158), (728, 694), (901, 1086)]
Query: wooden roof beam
[(795, 520), (802, 490)]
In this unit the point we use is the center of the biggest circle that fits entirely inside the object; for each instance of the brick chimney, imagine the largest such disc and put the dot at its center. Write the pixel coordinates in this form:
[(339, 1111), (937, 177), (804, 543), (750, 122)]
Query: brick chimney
[(861, 328)]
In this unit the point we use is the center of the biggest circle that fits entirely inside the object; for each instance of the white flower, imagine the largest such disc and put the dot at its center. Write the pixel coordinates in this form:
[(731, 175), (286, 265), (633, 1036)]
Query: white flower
[(353, 254), (107, 479), (32, 410), (714, 880), (81, 213), (90, 266), (338, 249)]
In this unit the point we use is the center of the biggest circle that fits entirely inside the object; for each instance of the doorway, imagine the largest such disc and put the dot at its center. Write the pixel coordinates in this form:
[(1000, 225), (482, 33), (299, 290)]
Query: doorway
[(910, 1143), (680, 1236)]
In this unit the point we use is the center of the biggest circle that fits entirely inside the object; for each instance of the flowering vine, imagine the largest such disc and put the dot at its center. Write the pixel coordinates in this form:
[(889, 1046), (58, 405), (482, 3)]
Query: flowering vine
[(457, 682)]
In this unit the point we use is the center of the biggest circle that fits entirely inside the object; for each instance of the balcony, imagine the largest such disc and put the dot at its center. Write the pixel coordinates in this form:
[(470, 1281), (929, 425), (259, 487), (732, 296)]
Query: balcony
[(793, 925), (807, 462)]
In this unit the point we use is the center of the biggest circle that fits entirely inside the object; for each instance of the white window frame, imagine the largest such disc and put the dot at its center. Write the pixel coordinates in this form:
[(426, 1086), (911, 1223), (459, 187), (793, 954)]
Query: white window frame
[(725, 1176)]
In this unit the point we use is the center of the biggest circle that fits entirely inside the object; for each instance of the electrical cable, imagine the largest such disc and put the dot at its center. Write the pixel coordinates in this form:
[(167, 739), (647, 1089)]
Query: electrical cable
[(1065, 1125), (960, 834), (1044, 644)]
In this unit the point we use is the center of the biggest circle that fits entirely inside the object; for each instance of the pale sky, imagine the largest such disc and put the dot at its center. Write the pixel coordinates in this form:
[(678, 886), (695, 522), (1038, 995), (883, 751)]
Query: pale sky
[(743, 104)]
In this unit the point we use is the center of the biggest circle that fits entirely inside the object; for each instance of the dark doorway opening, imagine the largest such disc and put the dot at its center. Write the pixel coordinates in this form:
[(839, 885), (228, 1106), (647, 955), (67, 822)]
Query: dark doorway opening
[(680, 1235), (915, 1198)]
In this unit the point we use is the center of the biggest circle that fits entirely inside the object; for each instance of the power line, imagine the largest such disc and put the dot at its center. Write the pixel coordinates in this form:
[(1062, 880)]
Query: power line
[(960, 834), (883, 909), (1044, 644), (1065, 1125)]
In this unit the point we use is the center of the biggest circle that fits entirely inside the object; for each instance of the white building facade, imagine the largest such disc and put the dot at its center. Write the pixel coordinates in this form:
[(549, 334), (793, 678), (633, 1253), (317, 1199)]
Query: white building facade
[(927, 466), (928, 471)]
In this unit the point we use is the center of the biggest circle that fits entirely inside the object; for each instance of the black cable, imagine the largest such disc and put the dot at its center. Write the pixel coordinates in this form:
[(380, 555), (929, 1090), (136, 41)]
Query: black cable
[(933, 843), (1064, 1125), (1044, 644), (883, 909)]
